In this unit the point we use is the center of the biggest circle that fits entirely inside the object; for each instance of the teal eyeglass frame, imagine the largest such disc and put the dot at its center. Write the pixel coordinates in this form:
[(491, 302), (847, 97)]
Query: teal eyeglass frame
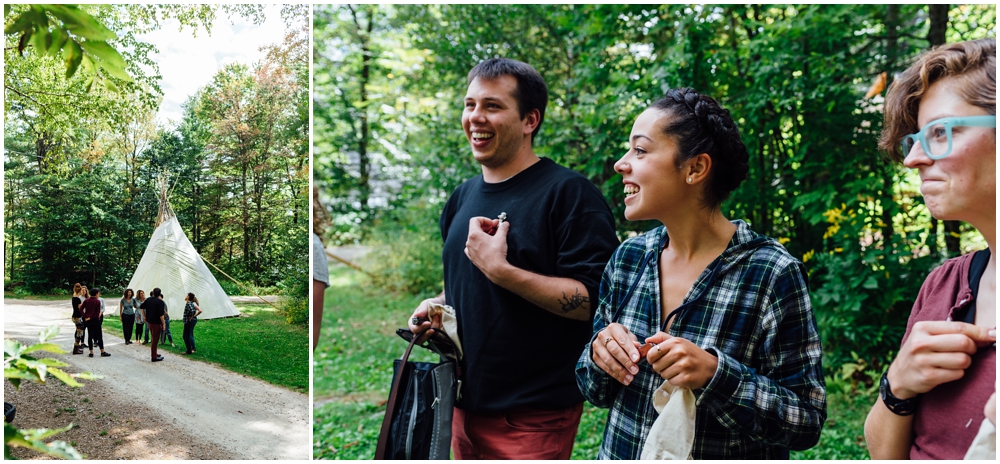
[(965, 121)]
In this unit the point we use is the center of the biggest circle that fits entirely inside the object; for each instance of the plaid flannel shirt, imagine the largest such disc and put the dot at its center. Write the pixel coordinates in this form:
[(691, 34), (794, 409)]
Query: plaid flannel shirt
[(751, 309)]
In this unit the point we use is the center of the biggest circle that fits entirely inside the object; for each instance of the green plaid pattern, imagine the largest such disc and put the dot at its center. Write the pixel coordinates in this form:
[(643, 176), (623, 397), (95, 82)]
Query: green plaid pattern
[(750, 308)]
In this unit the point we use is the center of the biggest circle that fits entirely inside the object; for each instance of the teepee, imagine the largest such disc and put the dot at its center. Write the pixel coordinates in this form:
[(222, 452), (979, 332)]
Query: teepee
[(172, 264)]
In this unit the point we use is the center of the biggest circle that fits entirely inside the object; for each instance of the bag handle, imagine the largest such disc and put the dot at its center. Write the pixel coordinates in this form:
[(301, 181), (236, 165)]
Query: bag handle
[(390, 409)]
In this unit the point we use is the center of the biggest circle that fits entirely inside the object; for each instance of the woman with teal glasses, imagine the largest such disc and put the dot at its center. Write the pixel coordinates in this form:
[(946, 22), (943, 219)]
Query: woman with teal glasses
[(942, 113)]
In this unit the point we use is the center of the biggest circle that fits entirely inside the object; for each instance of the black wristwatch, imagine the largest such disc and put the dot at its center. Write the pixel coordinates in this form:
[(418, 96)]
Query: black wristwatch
[(898, 406)]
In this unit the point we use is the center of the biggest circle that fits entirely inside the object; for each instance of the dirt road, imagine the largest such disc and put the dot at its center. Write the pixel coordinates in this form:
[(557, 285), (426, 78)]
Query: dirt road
[(246, 417)]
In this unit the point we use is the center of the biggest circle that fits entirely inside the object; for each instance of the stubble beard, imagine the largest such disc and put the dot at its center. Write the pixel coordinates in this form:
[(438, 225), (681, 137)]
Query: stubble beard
[(505, 152)]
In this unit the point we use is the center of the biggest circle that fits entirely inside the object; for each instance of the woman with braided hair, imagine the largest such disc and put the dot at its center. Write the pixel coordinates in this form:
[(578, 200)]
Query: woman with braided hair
[(725, 311)]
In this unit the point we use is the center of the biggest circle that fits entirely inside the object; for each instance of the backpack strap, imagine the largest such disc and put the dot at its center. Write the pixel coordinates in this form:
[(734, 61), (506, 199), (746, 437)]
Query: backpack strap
[(390, 409)]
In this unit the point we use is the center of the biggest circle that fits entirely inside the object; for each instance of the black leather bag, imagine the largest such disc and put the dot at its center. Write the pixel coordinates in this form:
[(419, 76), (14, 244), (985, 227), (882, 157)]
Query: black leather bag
[(417, 422)]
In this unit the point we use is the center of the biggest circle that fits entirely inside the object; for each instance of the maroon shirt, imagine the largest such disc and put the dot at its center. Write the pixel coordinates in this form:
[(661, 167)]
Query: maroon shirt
[(91, 307), (948, 417)]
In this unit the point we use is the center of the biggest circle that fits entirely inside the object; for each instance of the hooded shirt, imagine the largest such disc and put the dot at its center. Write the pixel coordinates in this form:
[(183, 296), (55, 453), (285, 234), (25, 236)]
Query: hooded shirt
[(750, 307)]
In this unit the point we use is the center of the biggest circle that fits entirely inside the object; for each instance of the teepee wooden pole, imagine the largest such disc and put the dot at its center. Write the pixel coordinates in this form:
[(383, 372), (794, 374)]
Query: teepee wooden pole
[(238, 282), (348, 263)]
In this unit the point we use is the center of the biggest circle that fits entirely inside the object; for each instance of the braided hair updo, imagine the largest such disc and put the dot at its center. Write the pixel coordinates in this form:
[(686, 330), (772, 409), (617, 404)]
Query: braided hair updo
[(699, 125)]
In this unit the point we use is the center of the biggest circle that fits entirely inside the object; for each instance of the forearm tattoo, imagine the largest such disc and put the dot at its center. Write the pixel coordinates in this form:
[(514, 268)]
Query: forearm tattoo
[(571, 303)]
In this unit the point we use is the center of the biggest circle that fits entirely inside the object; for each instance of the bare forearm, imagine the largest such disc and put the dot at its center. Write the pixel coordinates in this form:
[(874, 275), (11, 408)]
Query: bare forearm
[(561, 296), (317, 310), (889, 436)]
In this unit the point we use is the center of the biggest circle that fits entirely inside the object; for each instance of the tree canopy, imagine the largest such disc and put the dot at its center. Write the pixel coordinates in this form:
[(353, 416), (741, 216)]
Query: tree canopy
[(80, 160), (388, 147)]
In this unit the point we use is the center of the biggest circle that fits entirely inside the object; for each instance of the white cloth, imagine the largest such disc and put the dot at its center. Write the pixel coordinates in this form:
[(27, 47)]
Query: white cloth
[(672, 435), (984, 446), (449, 323)]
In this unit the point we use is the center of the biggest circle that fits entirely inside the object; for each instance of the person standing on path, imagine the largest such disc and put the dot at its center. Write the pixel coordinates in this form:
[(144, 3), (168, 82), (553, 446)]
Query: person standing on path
[(140, 323), (524, 290), (78, 318), (126, 312), (165, 334), (92, 320), (152, 312), (191, 312), (84, 339)]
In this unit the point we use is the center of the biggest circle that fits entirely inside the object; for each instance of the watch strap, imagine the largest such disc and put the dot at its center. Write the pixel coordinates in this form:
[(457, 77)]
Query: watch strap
[(897, 406)]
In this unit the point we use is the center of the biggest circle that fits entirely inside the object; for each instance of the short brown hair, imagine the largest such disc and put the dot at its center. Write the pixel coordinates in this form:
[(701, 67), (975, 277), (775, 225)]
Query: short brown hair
[(972, 63), (531, 93)]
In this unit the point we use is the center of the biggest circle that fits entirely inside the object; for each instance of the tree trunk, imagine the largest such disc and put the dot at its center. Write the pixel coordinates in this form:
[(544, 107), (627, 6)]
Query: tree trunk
[(938, 15), (933, 237), (364, 169), (952, 238), (891, 57)]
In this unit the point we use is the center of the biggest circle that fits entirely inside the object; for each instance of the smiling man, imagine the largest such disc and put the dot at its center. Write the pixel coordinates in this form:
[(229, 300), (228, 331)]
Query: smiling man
[(522, 288)]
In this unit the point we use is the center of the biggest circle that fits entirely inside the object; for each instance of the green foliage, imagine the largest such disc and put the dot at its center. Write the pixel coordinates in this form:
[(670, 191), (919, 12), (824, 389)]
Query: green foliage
[(33, 439), (247, 117), (390, 80), (346, 431), (590, 433), (80, 164), (352, 363), (843, 436), (296, 310), (352, 370), (259, 344), (18, 365), (406, 252), (69, 33)]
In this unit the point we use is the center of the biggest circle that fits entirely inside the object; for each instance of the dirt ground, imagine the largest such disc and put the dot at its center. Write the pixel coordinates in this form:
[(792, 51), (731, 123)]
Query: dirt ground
[(104, 426), (175, 409)]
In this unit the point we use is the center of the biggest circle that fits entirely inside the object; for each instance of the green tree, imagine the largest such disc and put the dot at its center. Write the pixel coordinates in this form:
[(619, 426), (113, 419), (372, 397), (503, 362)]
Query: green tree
[(793, 76), (79, 164)]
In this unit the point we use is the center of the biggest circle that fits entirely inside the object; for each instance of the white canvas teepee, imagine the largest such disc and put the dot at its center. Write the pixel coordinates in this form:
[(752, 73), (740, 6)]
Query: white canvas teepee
[(172, 264)]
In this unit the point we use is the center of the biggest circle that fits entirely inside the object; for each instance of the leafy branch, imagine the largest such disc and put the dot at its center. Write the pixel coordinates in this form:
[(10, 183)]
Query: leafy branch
[(69, 33), (18, 365)]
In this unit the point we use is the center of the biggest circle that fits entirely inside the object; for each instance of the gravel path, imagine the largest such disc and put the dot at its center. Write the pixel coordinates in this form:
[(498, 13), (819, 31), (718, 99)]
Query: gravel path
[(175, 409)]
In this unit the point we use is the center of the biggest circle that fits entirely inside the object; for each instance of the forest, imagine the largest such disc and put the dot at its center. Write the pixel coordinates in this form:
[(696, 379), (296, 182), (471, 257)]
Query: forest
[(83, 150), (805, 84)]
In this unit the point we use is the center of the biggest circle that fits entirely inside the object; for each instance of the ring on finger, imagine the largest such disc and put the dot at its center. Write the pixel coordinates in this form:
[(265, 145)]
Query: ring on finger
[(606, 341), (658, 350)]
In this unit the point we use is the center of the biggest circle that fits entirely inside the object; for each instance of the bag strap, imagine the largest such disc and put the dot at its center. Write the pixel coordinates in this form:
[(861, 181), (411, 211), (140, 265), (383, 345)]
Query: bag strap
[(390, 409)]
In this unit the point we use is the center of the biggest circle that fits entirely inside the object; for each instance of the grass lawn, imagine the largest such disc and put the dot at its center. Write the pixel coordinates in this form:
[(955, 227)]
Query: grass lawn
[(260, 344), (68, 296), (352, 369)]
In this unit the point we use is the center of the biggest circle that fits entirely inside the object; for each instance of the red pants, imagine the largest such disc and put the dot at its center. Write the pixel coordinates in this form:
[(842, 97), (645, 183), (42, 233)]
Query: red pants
[(521, 433), (154, 331)]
